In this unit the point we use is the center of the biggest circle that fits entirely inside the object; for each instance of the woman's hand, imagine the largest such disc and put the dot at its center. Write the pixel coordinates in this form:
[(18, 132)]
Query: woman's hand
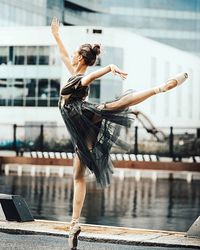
[(115, 70), (55, 26)]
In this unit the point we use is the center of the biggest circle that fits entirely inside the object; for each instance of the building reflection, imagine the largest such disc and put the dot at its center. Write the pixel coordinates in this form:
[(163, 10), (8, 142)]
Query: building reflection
[(165, 204)]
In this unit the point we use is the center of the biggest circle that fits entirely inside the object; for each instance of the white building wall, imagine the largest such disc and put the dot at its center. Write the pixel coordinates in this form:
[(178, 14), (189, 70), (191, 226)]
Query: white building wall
[(179, 107)]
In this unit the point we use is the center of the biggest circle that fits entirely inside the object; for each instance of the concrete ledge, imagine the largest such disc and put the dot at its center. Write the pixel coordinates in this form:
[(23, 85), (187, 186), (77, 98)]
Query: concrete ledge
[(117, 235)]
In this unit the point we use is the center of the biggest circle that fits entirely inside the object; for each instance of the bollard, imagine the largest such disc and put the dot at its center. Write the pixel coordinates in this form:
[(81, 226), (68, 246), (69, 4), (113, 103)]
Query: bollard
[(138, 175), (171, 143), (19, 170), (15, 208), (154, 176), (194, 230), (61, 172), (136, 141), (7, 169), (15, 139), (42, 137), (33, 170)]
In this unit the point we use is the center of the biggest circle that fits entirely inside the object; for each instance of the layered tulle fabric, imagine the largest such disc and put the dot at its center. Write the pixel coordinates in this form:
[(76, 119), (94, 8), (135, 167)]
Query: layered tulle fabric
[(93, 131)]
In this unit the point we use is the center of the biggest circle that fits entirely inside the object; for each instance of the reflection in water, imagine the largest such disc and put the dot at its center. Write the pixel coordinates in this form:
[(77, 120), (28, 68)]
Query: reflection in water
[(165, 204)]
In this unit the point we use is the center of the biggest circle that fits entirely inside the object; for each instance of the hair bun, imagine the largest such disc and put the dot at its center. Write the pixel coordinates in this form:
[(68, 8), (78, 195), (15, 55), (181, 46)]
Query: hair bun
[(96, 49)]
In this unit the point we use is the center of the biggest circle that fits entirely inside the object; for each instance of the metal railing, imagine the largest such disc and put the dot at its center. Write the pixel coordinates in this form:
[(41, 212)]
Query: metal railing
[(178, 142)]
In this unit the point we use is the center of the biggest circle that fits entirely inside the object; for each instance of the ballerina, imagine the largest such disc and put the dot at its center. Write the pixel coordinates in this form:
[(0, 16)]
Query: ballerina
[(94, 127)]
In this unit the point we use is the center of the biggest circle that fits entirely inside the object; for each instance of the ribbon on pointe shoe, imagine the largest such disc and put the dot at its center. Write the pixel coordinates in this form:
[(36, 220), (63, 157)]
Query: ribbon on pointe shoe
[(74, 231), (179, 78)]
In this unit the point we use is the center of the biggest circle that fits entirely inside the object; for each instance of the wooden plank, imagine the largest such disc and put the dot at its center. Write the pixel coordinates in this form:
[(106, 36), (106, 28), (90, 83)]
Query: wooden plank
[(169, 166), (35, 161)]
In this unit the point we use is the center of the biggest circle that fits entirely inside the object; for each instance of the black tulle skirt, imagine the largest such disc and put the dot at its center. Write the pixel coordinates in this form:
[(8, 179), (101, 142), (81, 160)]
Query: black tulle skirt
[(93, 138)]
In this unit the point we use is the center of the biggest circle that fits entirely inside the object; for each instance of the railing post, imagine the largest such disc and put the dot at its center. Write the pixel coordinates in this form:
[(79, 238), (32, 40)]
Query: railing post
[(136, 140), (171, 143), (198, 132), (15, 139), (42, 137)]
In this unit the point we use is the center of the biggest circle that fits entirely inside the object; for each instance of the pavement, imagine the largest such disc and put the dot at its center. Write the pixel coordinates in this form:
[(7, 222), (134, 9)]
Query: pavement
[(41, 234), (44, 242)]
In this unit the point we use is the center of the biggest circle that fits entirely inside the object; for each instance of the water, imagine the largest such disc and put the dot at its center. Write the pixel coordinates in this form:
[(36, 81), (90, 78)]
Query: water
[(165, 204)]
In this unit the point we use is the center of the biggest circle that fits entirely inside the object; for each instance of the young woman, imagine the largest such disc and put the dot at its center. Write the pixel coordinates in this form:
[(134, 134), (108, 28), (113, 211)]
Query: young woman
[(94, 127)]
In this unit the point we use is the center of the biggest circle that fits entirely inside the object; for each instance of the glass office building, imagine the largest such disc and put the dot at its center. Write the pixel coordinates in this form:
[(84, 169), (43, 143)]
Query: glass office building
[(25, 90), (22, 13), (29, 12), (173, 22)]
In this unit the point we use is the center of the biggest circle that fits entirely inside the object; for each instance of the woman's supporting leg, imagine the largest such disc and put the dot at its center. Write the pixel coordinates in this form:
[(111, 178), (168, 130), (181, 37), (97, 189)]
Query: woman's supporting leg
[(79, 188), (78, 200)]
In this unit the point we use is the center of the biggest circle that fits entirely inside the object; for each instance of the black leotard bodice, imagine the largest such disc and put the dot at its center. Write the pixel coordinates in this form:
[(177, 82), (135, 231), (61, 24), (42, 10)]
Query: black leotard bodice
[(73, 90)]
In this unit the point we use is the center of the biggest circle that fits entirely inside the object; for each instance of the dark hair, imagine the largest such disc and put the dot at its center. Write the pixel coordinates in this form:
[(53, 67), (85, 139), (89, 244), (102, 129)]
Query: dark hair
[(89, 53)]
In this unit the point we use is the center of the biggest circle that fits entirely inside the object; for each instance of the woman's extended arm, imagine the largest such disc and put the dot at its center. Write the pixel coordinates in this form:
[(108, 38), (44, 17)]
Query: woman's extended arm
[(63, 52), (88, 79)]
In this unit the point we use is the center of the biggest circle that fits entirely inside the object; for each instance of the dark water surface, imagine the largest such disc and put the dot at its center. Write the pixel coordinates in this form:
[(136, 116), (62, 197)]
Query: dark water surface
[(165, 204)]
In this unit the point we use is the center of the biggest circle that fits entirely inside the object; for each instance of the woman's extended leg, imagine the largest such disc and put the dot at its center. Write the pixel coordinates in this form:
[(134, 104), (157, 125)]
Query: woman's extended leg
[(140, 96), (78, 200), (130, 99)]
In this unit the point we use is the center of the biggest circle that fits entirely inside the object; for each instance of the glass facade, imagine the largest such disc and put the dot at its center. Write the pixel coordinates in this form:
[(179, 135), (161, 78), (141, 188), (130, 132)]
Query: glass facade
[(94, 94), (29, 91), (23, 12), (37, 92), (34, 91), (174, 22), (3, 55), (28, 55)]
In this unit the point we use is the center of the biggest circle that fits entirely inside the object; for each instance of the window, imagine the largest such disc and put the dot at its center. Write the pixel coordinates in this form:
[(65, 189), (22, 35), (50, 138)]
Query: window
[(18, 92), (31, 90), (94, 94), (31, 55), (54, 92), (43, 55), (96, 31), (11, 54), (43, 92), (3, 92), (3, 55), (54, 58), (98, 61), (19, 55)]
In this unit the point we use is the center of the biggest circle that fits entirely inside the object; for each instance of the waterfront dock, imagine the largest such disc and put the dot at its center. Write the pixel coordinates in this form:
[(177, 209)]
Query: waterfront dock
[(48, 234), (102, 234)]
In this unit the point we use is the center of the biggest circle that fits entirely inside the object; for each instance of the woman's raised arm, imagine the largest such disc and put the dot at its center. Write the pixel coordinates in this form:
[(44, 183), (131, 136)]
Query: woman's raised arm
[(88, 79), (63, 52)]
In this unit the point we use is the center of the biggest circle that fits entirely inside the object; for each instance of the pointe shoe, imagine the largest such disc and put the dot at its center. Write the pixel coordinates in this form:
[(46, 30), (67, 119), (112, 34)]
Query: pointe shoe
[(179, 78), (73, 236)]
